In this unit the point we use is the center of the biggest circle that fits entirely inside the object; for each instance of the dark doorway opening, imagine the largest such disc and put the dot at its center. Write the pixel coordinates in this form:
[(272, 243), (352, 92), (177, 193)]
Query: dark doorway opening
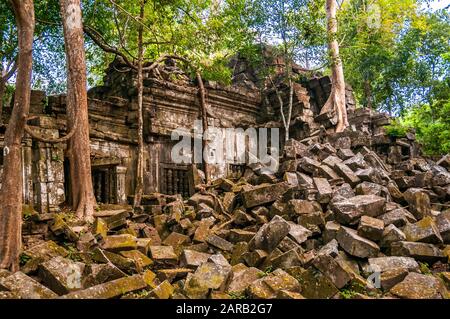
[(104, 183)]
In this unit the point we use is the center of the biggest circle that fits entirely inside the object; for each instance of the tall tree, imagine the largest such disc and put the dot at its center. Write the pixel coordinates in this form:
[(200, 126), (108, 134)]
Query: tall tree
[(140, 88), (77, 111), (336, 101), (11, 192), (275, 23)]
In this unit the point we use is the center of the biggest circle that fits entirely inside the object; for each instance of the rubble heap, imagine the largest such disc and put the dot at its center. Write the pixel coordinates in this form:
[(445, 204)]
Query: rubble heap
[(336, 221)]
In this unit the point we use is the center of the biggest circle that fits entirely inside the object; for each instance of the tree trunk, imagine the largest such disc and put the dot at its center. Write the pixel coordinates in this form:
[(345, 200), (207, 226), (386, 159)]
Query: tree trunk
[(2, 94), (204, 115), (11, 192), (368, 94), (77, 110), (336, 101), (140, 87)]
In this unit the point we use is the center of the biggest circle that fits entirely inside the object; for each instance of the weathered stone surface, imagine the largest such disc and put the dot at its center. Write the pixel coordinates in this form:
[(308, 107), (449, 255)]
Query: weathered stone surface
[(356, 245), (335, 269), (110, 289), (220, 243), (418, 286), (398, 217), (324, 190), (268, 287), (163, 291), (297, 207), (419, 202), (101, 273), (391, 277), (25, 287), (347, 174), (350, 210), (299, 233), (238, 235), (116, 243), (62, 275), (207, 276), (383, 264), (192, 258), (392, 234), (443, 225), (418, 251), (331, 228), (309, 165), (40, 253), (270, 235), (164, 254), (242, 279), (424, 231), (141, 261), (314, 285), (255, 258), (203, 230), (370, 228), (263, 194)]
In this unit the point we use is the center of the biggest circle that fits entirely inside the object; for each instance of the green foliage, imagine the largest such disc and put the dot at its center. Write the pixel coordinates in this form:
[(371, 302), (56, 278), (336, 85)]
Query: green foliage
[(347, 293), (432, 126), (235, 295), (396, 129), (424, 268), (23, 259)]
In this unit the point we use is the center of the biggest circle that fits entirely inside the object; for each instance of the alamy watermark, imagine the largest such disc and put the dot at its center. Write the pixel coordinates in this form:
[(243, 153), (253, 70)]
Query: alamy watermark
[(227, 146)]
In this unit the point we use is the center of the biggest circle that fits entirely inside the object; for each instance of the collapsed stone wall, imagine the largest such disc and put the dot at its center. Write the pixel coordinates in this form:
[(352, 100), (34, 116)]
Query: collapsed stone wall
[(170, 101)]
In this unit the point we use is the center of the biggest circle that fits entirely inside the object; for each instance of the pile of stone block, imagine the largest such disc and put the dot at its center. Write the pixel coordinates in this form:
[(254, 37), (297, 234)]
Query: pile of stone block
[(333, 222)]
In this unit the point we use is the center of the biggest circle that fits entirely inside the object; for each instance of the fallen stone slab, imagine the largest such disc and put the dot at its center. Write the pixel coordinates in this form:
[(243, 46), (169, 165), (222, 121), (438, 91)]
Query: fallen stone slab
[(390, 235), (264, 194), (25, 287), (335, 269), (308, 164), (349, 211), (418, 286), (163, 254), (315, 285), (270, 235), (347, 174), (383, 264), (115, 243), (324, 190), (109, 290), (242, 279), (40, 253), (299, 233), (425, 231), (370, 228), (140, 260), (220, 243), (443, 225), (192, 258), (390, 278), (269, 286), (419, 251), (356, 245), (101, 273), (62, 275), (163, 291), (419, 202), (207, 276), (398, 217)]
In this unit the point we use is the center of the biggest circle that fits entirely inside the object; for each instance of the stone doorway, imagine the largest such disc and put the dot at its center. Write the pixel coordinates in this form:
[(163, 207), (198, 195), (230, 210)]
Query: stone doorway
[(104, 181)]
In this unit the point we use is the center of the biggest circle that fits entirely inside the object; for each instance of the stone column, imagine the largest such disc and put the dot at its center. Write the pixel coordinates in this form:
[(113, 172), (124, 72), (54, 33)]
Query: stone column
[(121, 172)]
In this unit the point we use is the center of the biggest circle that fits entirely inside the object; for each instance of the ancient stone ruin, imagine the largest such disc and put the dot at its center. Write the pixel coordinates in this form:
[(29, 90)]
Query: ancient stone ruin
[(358, 214)]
